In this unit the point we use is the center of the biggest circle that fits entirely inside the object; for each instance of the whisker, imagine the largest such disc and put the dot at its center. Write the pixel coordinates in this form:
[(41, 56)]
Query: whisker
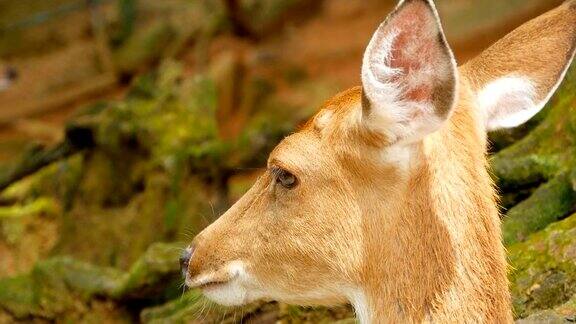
[(207, 222), (212, 208), (201, 313)]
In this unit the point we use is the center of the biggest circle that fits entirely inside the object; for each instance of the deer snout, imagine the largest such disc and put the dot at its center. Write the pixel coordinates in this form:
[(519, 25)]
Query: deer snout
[(185, 257), (203, 265)]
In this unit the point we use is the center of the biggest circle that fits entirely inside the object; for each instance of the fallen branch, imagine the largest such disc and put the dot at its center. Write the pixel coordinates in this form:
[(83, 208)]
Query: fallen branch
[(77, 139)]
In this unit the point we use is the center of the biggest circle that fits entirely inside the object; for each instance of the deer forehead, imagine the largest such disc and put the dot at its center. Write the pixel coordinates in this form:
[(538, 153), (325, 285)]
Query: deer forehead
[(299, 152), (332, 133), (313, 144)]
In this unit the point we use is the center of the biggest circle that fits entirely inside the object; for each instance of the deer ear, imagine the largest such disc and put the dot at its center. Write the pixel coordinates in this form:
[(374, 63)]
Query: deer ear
[(516, 77), (409, 74)]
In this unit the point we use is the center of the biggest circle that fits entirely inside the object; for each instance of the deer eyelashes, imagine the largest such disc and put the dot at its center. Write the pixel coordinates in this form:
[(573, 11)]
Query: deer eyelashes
[(284, 178)]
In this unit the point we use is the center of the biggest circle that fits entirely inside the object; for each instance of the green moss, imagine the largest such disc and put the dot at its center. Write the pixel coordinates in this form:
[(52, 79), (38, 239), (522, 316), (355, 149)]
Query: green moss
[(548, 317), (296, 314), (549, 203), (543, 267), (179, 23), (568, 309), (144, 46), (18, 297), (176, 122), (157, 265), (54, 288), (60, 287), (158, 163), (189, 307), (514, 173), (192, 306), (87, 279), (38, 206)]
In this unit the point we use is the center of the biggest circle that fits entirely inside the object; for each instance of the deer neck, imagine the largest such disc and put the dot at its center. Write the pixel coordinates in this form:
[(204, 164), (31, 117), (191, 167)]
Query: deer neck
[(409, 255), (437, 239)]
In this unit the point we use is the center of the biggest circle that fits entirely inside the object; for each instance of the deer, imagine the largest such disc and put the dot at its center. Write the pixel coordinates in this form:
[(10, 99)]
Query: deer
[(383, 199)]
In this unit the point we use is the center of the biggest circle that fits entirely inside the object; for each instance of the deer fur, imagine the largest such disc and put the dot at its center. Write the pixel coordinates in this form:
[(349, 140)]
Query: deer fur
[(392, 208)]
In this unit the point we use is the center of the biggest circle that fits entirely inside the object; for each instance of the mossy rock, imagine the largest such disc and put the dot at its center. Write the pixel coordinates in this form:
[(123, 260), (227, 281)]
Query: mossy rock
[(152, 274), (144, 47), (163, 29), (547, 204), (568, 309), (289, 314), (62, 287), (543, 268), (193, 307), (544, 317), (157, 172), (55, 288), (151, 176), (28, 231)]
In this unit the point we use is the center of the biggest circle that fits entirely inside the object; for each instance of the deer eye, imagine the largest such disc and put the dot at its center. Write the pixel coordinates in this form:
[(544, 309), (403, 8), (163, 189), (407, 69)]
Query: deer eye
[(285, 178)]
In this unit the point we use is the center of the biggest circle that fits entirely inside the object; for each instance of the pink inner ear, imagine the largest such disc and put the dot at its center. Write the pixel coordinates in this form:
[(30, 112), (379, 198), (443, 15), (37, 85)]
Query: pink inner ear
[(415, 50)]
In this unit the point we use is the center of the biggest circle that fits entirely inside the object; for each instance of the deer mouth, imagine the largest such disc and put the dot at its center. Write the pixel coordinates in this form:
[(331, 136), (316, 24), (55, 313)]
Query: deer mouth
[(212, 284), (210, 281), (230, 285), (220, 277)]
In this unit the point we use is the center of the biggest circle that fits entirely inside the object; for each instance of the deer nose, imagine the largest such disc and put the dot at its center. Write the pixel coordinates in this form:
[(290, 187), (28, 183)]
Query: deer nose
[(185, 260)]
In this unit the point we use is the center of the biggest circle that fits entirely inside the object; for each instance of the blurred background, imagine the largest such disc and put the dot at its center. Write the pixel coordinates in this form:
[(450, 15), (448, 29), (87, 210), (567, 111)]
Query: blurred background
[(127, 126)]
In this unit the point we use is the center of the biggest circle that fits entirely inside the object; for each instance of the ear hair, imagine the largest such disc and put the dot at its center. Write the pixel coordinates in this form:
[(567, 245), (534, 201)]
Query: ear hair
[(409, 73), (515, 77)]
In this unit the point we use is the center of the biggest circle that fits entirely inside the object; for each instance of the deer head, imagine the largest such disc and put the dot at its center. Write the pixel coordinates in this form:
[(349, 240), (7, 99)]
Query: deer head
[(383, 199)]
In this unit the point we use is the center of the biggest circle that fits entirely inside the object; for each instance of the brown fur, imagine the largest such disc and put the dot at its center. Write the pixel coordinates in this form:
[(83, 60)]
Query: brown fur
[(421, 241)]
